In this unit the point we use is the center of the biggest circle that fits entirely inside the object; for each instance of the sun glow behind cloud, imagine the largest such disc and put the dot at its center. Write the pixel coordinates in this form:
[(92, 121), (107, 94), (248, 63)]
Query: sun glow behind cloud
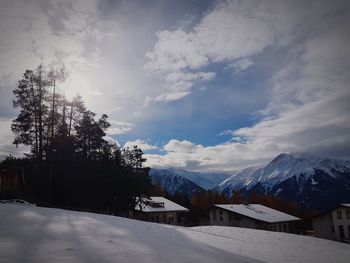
[(176, 76)]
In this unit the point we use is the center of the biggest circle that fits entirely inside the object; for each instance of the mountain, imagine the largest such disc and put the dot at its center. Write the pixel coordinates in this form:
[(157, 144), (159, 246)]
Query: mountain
[(235, 181), (205, 180), (312, 181), (173, 183)]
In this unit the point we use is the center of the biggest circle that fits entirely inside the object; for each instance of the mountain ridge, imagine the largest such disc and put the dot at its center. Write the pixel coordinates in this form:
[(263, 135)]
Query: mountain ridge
[(311, 181)]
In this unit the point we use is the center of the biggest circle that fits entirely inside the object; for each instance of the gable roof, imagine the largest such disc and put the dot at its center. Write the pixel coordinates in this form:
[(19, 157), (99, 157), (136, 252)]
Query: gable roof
[(158, 204), (259, 212), (331, 210)]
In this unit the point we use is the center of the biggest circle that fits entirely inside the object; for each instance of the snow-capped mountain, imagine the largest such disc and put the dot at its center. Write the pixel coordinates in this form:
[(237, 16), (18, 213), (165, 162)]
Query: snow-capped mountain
[(204, 180), (173, 183), (310, 180), (235, 181)]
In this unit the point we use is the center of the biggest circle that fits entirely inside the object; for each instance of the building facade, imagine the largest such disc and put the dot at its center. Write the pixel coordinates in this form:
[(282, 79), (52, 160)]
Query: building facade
[(333, 224), (11, 182), (251, 216), (159, 210)]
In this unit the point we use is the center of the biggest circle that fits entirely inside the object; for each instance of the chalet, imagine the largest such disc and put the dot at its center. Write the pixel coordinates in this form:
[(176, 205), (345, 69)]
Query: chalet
[(251, 216), (11, 182), (160, 210), (333, 224)]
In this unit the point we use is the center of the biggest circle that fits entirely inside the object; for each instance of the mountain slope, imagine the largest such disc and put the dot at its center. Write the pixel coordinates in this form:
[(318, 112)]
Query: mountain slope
[(204, 180), (173, 183), (312, 181), (235, 181)]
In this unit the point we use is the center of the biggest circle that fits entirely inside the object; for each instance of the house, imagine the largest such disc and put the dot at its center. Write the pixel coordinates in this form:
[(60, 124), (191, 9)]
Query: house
[(11, 182), (333, 224), (251, 216), (160, 210)]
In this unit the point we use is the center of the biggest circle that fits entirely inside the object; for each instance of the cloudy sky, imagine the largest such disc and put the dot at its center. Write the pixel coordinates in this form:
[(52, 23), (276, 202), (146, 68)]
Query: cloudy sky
[(199, 85)]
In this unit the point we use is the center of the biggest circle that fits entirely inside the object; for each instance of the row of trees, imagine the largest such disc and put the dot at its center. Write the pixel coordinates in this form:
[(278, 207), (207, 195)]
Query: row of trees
[(48, 122), (70, 162), (202, 201)]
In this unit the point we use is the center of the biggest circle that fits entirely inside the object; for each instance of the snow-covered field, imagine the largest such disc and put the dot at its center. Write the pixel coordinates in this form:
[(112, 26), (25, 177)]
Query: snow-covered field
[(34, 234)]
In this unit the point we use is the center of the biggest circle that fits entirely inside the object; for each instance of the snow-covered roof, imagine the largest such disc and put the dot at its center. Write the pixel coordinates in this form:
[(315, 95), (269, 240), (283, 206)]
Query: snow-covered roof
[(158, 204), (347, 205), (259, 212)]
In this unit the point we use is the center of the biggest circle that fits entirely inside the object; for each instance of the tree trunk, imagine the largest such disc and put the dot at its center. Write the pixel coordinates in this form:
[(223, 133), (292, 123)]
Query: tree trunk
[(53, 112), (70, 119), (40, 115)]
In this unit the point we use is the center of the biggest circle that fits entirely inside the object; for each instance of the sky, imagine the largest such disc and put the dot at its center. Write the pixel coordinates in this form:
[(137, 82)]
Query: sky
[(198, 85)]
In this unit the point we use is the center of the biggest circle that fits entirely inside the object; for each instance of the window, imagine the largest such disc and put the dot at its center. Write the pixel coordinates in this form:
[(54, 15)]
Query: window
[(214, 215), (237, 217), (171, 218), (341, 232), (164, 218), (285, 228), (221, 216), (279, 228), (339, 214), (347, 213), (157, 218)]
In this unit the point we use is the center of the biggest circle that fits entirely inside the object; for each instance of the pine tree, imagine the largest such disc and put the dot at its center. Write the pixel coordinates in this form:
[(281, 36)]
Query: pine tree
[(31, 98)]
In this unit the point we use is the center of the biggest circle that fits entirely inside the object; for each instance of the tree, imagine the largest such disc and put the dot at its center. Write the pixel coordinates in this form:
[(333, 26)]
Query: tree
[(53, 77), (31, 98), (237, 198), (73, 164), (89, 135), (134, 157)]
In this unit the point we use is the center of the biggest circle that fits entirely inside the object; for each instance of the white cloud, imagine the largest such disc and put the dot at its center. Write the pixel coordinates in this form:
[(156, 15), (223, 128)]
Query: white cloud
[(310, 95), (56, 33), (309, 70), (187, 155), (231, 31), (144, 145), (119, 127), (111, 141), (241, 65), (6, 139)]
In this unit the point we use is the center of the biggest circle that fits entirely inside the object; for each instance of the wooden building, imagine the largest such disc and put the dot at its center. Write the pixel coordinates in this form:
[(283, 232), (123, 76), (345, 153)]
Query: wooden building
[(11, 182), (333, 224), (251, 216), (160, 210)]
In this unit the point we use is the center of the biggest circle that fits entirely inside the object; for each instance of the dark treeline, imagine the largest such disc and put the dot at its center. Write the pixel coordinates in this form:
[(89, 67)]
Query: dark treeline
[(201, 202), (70, 163)]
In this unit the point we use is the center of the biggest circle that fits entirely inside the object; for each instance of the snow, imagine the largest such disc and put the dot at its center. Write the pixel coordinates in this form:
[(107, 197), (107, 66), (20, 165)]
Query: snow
[(259, 212), (283, 167), (35, 234), (313, 182), (169, 206), (347, 205), (235, 181), (205, 180), (276, 246)]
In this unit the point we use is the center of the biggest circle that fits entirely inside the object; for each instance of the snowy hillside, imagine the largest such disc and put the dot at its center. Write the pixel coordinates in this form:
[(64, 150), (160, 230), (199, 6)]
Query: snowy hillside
[(204, 180), (33, 234), (235, 181), (310, 180), (173, 183)]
